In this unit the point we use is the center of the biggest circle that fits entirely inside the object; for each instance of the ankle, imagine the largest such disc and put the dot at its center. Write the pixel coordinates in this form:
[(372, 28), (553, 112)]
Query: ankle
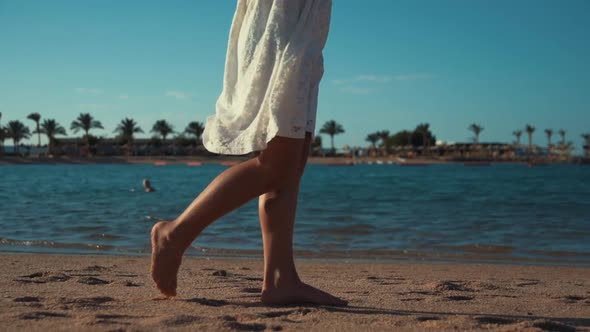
[(183, 234), (286, 278), (173, 236)]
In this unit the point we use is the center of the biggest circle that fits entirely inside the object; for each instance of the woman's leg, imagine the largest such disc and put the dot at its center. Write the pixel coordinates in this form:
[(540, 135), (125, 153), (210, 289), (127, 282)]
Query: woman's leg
[(274, 168), (277, 211)]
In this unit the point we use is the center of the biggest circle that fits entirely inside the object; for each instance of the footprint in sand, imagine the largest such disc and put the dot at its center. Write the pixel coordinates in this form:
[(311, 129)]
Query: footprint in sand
[(181, 320), (128, 283), (251, 290), (219, 273), (37, 315), (115, 319), (253, 278), (459, 298), (43, 277), (412, 299), (126, 275), (208, 302), (494, 320), (246, 327), (420, 292), (449, 285), (233, 324), (572, 299), (86, 302), (528, 282), (96, 268), (93, 281), (27, 299)]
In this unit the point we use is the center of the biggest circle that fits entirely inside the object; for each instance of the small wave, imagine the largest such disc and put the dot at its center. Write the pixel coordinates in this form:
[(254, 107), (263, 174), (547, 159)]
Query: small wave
[(87, 228), (347, 230), (559, 253), (104, 236), (486, 248), (57, 245)]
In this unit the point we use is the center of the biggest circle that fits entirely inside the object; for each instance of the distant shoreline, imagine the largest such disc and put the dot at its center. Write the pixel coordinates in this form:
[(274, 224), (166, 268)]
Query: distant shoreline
[(230, 160)]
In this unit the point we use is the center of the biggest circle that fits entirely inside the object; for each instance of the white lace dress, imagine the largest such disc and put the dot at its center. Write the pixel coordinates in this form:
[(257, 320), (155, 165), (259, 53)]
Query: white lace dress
[(272, 73)]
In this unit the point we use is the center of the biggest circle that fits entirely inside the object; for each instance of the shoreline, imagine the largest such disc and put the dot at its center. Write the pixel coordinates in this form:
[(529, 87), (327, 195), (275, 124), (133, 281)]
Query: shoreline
[(552, 259), (100, 293)]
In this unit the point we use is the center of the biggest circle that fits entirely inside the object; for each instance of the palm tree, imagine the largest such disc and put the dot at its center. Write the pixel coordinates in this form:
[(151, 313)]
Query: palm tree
[(196, 129), (85, 122), (476, 129), (517, 133), (373, 138), (384, 137), (316, 144), (549, 133), (561, 133), (126, 129), (332, 128), (17, 131), (163, 128), (530, 130), (424, 130), (51, 128), (586, 138), (36, 117)]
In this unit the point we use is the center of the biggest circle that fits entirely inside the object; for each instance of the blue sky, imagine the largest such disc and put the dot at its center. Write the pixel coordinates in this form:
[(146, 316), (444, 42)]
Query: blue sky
[(389, 64)]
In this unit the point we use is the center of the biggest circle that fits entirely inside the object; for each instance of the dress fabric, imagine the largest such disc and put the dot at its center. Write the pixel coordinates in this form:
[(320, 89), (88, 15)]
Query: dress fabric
[(273, 69)]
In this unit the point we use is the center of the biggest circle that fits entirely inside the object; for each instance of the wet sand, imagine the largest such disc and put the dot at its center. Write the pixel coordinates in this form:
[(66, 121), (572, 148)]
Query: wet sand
[(106, 293)]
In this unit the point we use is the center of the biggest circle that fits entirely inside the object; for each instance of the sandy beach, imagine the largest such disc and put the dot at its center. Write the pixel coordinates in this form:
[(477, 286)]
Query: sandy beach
[(107, 293)]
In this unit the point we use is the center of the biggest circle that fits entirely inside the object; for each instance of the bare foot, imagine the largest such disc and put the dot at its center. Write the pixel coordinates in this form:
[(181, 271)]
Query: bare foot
[(300, 293), (166, 258)]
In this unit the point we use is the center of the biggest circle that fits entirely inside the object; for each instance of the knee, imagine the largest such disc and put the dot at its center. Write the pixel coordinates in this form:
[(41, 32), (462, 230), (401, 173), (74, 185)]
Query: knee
[(279, 173)]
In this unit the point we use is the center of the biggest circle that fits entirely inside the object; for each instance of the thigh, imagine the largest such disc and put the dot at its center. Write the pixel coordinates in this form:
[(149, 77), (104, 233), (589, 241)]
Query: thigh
[(282, 155)]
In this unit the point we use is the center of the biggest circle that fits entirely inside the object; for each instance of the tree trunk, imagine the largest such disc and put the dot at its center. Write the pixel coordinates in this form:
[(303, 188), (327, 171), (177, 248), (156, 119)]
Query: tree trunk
[(130, 147), (38, 135), (333, 149)]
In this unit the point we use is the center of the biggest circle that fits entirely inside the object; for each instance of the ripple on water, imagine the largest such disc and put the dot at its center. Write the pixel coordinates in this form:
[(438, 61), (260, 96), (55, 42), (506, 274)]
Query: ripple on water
[(508, 211)]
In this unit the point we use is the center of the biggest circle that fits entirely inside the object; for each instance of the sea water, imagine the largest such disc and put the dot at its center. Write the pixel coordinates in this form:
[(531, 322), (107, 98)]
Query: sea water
[(499, 213)]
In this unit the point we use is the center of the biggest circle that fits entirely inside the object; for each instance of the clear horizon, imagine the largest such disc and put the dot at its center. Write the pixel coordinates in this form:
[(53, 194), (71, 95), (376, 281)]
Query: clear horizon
[(389, 65)]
